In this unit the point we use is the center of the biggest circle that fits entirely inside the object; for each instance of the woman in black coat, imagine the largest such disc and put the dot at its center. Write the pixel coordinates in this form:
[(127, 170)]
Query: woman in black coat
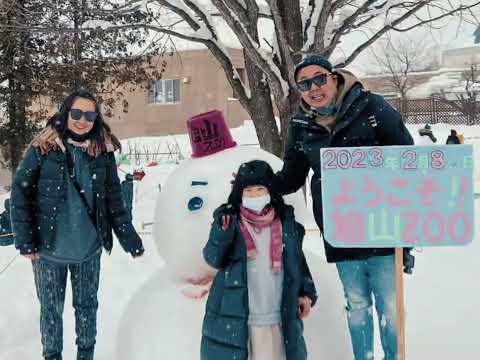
[(66, 199)]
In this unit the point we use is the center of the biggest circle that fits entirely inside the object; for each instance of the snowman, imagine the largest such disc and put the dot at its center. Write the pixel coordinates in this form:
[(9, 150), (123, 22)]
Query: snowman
[(170, 307)]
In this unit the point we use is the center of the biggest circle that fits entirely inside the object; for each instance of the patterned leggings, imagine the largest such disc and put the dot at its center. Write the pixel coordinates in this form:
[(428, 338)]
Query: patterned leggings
[(51, 282)]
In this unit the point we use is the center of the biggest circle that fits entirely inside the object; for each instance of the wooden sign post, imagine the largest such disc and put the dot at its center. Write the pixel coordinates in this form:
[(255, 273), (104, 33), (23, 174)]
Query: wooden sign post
[(397, 197), (400, 304)]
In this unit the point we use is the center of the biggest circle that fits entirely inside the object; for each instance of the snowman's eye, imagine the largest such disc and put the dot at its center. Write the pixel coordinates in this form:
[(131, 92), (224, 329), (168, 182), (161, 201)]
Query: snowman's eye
[(195, 203), (199, 183)]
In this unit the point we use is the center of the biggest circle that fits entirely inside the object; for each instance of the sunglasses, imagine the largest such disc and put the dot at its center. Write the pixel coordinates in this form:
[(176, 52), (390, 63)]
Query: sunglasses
[(319, 80), (77, 114)]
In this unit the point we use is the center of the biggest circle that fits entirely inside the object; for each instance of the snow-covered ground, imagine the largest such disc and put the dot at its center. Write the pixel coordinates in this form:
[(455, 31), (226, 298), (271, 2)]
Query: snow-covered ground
[(137, 311)]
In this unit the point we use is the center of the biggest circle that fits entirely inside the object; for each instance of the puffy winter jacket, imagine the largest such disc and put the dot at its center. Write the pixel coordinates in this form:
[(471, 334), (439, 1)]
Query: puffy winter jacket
[(225, 328), (39, 186), (364, 119)]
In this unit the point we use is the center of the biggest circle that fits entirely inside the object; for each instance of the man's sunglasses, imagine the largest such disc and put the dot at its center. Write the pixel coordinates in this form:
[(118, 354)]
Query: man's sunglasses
[(77, 114), (319, 80)]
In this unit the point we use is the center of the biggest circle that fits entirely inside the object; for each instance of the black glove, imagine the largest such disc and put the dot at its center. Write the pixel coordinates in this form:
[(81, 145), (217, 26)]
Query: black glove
[(224, 214), (408, 261)]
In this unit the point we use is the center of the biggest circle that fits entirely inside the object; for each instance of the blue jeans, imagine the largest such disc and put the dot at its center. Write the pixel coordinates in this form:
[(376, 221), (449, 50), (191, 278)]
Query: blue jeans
[(50, 282), (361, 279)]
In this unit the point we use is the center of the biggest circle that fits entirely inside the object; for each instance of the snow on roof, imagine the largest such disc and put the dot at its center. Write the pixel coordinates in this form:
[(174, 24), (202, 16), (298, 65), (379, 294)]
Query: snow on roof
[(418, 73), (442, 82)]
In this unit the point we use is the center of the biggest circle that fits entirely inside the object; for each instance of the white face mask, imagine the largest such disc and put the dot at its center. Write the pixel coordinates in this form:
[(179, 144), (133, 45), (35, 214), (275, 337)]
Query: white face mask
[(256, 203)]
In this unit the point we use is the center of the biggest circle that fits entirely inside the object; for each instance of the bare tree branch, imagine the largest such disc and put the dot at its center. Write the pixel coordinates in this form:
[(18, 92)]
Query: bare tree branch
[(253, 49), (436, 18), (203, 17), (182, 13), (253, 14), (339, 4), (239, 10), (319, 37), (379, 33), (347, 25), (283, 45)]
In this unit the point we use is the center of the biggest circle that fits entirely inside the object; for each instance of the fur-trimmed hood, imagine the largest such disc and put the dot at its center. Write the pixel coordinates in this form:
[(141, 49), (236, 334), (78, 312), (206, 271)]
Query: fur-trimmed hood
[(49, 140)]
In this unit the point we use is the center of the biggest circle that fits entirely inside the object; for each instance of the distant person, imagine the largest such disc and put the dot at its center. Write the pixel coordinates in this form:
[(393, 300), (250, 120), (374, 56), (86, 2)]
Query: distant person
[(127, 193), (6, 236), (426, 136), (66, 199), (453, 138)]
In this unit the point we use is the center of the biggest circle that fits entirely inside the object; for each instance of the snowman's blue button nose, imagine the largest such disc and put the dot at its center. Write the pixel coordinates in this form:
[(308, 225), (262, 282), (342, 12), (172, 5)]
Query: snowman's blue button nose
[(195, 203)]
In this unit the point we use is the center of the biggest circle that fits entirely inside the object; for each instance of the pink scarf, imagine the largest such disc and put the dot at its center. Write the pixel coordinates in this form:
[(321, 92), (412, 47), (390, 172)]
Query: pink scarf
[(252, 222)]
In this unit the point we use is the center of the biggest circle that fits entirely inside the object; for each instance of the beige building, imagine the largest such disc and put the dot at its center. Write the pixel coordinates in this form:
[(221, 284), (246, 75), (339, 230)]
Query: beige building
[(192, 83)]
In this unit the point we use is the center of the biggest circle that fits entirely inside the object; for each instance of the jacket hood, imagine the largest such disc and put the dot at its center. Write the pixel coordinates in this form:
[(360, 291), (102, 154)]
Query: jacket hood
[(346, 81)]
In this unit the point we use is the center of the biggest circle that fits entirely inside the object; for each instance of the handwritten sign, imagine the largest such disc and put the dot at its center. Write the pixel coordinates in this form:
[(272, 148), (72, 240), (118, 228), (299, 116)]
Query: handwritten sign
[(398, 196)]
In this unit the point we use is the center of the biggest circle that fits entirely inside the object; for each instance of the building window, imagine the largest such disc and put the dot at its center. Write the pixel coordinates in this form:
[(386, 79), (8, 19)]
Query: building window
[(164, 92)]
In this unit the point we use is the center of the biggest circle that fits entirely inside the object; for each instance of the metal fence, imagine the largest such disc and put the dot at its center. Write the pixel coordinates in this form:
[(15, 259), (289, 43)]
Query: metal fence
[(433, 111)]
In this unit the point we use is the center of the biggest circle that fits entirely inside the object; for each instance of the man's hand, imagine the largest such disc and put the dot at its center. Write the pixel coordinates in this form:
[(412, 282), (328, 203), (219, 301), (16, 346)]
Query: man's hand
[(201, 281), (33, 256), (305, 305)]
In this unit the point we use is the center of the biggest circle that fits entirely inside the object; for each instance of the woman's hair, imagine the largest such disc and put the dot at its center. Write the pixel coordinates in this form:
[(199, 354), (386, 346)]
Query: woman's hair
[(100, 129), (255, 172)]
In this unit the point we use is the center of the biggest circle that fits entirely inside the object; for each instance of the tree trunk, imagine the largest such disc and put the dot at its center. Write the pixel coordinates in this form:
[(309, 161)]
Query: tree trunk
[(286, 111), (261, 109), (292, 24), (260, 106), (17, 125), (404, 107), (77, 22)]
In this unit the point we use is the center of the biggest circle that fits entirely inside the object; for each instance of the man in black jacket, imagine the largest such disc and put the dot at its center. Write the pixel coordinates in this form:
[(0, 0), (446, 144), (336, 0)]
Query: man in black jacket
[(336, 111)]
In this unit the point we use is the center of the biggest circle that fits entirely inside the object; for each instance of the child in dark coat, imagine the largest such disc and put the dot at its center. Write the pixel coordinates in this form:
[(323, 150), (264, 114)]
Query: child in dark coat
[(263, 288)]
